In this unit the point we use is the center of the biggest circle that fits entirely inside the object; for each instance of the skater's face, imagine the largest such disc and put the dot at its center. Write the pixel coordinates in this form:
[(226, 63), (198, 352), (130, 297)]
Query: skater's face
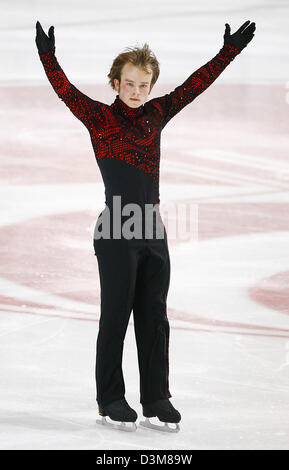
[(134, 84)]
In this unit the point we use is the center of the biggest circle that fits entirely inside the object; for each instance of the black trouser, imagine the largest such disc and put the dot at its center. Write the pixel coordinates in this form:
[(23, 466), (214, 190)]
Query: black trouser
[(134, 274)]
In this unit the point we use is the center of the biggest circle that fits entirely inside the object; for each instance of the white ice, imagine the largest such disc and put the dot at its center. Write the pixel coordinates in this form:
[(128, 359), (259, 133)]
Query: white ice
[(229, 353)]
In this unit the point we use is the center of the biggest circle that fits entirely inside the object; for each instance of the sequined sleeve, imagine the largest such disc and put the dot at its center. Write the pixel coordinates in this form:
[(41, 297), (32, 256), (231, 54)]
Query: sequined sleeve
[(83, 107), (172, 103)]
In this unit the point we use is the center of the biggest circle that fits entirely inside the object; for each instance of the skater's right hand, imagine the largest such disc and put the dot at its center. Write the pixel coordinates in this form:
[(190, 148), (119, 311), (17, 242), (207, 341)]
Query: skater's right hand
[(44, 43)]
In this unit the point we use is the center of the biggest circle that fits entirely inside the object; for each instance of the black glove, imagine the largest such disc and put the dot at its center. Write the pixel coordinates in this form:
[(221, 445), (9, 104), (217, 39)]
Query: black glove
[(241, 37), (44, 43)]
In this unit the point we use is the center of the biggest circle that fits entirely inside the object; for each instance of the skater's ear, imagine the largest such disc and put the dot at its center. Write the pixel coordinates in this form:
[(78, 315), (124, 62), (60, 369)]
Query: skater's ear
[(116, 84)]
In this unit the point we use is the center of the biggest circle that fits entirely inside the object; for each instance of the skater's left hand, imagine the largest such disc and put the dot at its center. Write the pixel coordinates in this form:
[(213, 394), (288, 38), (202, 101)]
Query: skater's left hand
[(241, 37)]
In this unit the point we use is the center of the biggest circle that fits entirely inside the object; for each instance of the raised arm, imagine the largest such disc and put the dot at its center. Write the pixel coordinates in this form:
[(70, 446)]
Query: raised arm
[(172, 103), (83, 107)]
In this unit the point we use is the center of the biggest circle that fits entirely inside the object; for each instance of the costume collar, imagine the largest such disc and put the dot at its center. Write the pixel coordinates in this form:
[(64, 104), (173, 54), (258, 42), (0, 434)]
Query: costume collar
[(122, 108)]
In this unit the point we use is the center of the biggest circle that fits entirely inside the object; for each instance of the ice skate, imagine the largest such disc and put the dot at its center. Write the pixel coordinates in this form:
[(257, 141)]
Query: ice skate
[(165, 412), (118, 411)]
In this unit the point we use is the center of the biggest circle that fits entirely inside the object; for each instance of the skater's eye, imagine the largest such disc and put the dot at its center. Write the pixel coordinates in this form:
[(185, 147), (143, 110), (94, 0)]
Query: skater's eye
[(142, 85)]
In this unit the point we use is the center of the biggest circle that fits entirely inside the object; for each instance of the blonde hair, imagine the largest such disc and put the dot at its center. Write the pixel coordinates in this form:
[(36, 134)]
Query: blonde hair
[(139, 57)]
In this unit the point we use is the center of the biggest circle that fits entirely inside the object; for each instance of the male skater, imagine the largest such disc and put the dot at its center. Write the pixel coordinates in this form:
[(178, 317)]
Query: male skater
[(134, 267)]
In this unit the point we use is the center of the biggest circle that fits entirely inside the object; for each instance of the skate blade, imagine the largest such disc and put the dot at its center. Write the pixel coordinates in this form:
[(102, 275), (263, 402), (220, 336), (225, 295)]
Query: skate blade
[(123, 426), (164, 428)]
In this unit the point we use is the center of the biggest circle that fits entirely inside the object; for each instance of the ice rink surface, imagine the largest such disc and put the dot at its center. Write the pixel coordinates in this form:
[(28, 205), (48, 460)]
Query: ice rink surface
[(226, 153)]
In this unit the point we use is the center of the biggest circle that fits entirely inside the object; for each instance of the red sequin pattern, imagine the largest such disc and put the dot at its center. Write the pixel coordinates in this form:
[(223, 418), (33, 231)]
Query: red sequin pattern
[(132, 135)]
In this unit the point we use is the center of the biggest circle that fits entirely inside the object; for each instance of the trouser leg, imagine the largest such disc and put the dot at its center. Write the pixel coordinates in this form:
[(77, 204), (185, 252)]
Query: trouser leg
[(117, 271), (151, 322)]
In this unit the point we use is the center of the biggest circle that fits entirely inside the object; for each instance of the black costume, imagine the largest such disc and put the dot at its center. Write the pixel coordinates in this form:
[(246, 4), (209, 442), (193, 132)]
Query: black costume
[(134, 273)]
